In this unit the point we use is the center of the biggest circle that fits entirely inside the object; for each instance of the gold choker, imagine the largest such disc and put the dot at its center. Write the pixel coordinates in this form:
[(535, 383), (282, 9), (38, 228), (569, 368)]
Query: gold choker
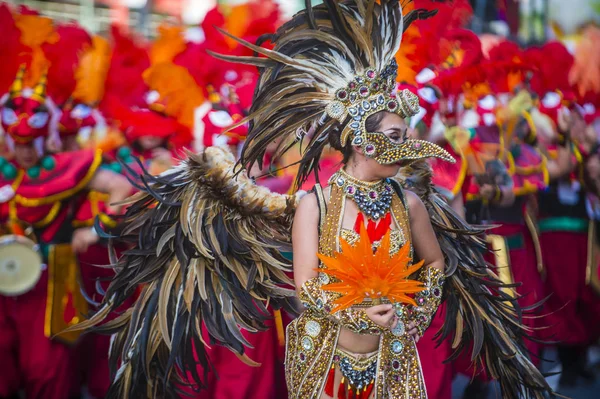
[(373, 198)]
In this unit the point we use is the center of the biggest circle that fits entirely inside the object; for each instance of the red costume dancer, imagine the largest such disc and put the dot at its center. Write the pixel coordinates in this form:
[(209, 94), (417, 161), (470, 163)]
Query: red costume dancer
[(567, 219), (498, 170), (40, 195), (77, 85)]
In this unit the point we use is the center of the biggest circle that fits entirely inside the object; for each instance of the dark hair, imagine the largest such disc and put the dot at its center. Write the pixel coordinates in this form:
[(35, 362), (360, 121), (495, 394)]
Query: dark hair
[(372, 124)]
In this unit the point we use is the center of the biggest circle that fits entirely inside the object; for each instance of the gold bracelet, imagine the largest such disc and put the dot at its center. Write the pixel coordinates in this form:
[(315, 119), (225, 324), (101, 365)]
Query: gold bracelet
[(429, 299)]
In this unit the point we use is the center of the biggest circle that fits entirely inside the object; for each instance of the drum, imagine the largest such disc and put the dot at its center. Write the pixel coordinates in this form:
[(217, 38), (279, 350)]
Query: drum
[(20, 264)]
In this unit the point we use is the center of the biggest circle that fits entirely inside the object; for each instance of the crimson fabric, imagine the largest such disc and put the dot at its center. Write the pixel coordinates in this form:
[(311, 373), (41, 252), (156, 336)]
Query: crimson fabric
[(93, 349), (575, 307), (523, 266), (437, 374), (30, 361), (239, 381)]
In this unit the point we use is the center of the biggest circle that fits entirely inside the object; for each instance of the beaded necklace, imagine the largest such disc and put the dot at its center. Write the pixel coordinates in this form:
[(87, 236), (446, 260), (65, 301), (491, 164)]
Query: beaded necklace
[(372, 198)]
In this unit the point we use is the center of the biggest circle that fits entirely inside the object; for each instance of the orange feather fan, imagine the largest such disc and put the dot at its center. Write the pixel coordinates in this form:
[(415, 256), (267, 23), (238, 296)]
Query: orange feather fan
[(360, 273)]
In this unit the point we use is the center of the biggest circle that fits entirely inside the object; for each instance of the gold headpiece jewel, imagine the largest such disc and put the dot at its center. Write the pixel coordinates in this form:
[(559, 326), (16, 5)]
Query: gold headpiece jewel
[(366, 95)]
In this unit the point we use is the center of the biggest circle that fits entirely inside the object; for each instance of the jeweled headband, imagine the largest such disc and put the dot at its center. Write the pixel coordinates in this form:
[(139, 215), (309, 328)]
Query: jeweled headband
[(369, 94)]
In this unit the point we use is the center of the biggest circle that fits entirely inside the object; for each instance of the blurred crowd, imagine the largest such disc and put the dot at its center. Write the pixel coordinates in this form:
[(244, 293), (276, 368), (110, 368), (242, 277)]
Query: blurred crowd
[(81, 113)]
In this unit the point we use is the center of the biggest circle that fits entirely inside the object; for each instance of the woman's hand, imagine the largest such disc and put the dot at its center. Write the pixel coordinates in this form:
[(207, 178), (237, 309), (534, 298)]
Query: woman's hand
[(383, 315), (413, 331)]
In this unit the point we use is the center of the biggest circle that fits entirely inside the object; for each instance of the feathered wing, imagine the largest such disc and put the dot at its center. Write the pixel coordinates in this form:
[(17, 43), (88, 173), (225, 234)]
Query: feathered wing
[(482, 318), (205, 249)]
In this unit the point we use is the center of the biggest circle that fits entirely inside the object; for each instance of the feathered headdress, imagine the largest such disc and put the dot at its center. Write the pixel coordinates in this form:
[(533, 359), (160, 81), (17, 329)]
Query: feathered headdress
[(64, 57), (333, 65), (91, 73)]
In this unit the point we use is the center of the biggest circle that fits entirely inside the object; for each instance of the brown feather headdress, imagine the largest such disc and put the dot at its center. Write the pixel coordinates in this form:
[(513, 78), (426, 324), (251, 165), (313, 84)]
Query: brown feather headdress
[(333, 65)]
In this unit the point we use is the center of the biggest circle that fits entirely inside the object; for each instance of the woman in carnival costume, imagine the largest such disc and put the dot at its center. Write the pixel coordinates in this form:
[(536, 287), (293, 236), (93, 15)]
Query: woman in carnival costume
[(208, 242)]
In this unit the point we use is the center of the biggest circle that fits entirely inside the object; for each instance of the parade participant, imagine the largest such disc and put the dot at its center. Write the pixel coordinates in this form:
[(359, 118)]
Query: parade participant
[(218, 258), (81, 123), (566, 219), (40, 193)]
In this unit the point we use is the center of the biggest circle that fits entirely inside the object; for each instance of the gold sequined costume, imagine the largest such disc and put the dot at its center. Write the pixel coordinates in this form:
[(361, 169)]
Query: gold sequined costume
[(312, 337)]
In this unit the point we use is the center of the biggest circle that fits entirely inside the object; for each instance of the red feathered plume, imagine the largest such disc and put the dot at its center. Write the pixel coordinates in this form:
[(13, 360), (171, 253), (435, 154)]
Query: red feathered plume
[(64, 57), (551, 64), (136, 123), (509, 54), (10, 48), (128, 62), (450, 16)]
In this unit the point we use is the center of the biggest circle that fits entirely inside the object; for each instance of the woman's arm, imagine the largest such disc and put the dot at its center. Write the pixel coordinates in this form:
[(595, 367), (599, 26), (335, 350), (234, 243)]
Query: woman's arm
[(428, 249), (424, 240), (305, 240)]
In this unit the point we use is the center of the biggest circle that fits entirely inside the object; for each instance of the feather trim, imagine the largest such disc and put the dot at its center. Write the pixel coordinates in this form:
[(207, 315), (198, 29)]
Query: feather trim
[(205, 248)]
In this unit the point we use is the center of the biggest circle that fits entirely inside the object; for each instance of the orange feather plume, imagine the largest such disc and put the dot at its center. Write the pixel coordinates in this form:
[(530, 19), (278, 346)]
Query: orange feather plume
[(360, 273), (92, 71), (35, 32), (585, 74)]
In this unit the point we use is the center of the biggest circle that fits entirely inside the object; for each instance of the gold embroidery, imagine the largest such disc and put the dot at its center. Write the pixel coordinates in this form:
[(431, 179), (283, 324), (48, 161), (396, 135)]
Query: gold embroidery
[(312, 337), (396, 236), (34, 202), (49, 218)]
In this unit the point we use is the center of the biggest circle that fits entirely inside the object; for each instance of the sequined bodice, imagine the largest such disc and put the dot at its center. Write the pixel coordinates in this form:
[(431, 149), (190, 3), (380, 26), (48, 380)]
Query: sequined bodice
[(397, 239)]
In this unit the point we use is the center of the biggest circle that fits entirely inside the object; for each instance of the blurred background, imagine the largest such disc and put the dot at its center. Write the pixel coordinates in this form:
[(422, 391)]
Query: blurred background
[(526, 22)]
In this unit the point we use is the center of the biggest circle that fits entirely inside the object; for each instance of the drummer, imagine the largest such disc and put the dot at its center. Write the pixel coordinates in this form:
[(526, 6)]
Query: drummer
[(39, 193)]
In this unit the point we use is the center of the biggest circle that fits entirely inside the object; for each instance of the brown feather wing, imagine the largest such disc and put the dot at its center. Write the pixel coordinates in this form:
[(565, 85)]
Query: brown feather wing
[(206, 249), (481, 318)]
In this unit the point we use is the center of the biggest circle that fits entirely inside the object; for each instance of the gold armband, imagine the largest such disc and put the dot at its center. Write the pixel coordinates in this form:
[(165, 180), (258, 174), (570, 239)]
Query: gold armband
[(355, 320), (429, 299)]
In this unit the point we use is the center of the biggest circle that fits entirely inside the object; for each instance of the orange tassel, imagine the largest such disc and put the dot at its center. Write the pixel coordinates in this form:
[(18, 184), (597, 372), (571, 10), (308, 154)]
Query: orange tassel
[(279, 327)]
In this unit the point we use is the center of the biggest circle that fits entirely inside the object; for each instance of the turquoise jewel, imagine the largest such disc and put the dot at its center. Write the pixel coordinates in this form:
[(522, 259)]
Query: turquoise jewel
[(34, 172), (3, 162), (9, 171), (48, 163), (115, 167), (124, 153)]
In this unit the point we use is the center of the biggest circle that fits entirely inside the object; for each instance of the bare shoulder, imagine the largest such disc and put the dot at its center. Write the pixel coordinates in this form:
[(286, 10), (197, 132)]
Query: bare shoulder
[(413, 201), (308, 208)]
